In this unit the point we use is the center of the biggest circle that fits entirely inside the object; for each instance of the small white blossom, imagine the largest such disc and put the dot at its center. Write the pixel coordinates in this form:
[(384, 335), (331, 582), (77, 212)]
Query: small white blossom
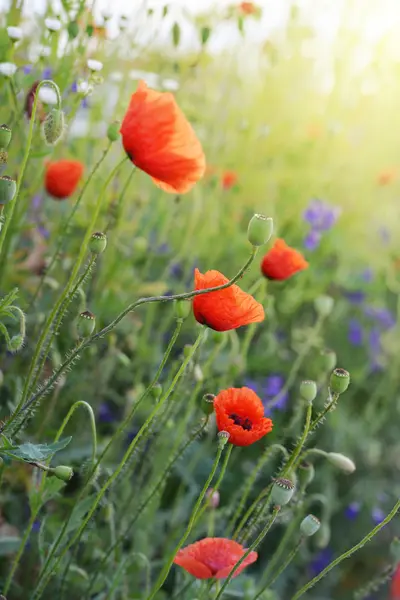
[(94, 65), (84, 88), (116, 76), (52, 24), (170, 84), (14, 33), (7, 69), (48, 95)]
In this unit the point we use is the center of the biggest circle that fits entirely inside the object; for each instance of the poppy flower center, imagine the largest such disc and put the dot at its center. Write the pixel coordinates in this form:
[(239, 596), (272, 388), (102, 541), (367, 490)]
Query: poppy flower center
[(244, 422)]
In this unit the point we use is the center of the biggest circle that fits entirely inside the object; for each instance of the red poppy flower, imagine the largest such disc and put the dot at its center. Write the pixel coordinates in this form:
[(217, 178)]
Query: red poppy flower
[(229, 179), (282, 261), (224, 309), (213, 557), (247, 8), (240, 412), (159, 140), (395, 587), (62, 178)]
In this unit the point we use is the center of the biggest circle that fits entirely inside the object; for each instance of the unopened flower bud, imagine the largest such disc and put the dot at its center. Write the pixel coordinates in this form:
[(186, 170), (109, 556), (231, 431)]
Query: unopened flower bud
[(260, 230), (156, 390), (53, 127), (62, 472), (340, 380), (282, 491), (310, 525), (5, 136), (395, 550), (323, 536), (207, 404), (98, 242), (328, 359), (213, 498), (308, 390), (8, 188), (183, 309), (113, 131), (306, 473), (16, 343), (223, 437), (341, 462), (86, 324), (324, 305)]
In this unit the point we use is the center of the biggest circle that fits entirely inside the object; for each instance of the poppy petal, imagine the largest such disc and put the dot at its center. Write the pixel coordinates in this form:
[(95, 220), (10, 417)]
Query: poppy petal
[(193, 566)]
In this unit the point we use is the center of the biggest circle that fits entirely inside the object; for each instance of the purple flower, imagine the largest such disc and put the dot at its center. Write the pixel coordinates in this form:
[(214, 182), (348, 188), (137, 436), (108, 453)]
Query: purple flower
[(382, 316), (74, 87), (177, 270), (272, 392), (352, 510), (355, 296), (377, 515), (44, 232), (163, 248), (355, 332), (37, 201), (273, 385), (321, 215), (47, 73), (320, 561), (106, 414), (312, 240), (27, 69), (85, 103), (36, 526), (367, 275), (253, 385)]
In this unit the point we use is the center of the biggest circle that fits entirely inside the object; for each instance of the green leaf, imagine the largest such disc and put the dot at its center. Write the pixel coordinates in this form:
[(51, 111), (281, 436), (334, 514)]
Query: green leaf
[(176, 34), (52, 487), (29, 452), (60, 445), (80, 510), (205, 34), (9, 545), (165, 11)]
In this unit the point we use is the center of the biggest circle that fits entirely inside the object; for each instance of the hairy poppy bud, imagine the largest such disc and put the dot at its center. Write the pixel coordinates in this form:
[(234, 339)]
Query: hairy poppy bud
[(113, 131), (62, 472), (156, 390), (207, 404), (340, 380), (86, 324), (5, 136), (183, 308), (324, 305), (98, 242), (395, 550), (309, 525), (308, 390), (8, 188), (212, 497), (282, 491), (323, 536), (223, 437), (16, 343), (3, 160), (53, 127), (328, 359), (306, 473), (260, 230), (341, 462)]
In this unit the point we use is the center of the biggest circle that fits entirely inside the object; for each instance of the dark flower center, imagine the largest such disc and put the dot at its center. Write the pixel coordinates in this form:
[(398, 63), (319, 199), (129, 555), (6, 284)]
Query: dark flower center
[(244, 422)]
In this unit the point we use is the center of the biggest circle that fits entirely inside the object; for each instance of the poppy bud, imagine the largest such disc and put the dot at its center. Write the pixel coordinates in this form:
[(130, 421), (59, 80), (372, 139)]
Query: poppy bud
[(282, 491), (62, 472), (309, 525), (8, 188), (53, 127), (340, 380), (183, 308), (16, 343), (395, 550), (5, 136), (3, 160), (328, 359), (306, 473), (308, 390), (323, 305), (223, 437), (86, 324), (156, 390), (341, 462), (98, 242), (113, 131), (207, 404), (323, 536), (213, 498), (260, 230)]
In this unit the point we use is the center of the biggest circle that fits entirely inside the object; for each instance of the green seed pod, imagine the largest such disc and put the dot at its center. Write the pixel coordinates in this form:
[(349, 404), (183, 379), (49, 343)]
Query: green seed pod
[(5, 136), (323, 536), (341, 462), (324, 305), (328, 359), (16, 343), (8, 188), (86, 324), (207, 404), (53, 127), (62, 472), (282, 491), (308, 390), (113, 131), (98, 242), (183, 309), (340, 381), (306, 473), (260, 230), (156, 391), (223, 437), (310, 525), (3, 160), (395, 550), (73, 30)]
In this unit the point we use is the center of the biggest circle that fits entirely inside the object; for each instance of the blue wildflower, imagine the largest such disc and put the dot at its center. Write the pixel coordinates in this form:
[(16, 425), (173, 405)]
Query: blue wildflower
[(377, 515), (74, 87), (367, 275), (47, 73), (320, 561), (312, 240), (355, 296), (272, 392), (177, 270), (106, 413), (382, 316), (321, 215), (27, 69), (355, 332), (352, 510)]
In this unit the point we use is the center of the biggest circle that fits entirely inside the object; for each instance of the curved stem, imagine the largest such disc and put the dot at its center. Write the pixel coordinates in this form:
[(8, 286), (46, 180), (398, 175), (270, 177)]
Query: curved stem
[(299, 446), (92, 419), (330, 405), (283, 566), (347, 554), (217, 483)]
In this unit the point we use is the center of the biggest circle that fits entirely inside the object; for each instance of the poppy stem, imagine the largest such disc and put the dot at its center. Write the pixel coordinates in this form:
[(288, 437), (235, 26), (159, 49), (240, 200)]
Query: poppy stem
[(216, 485), (283, 566), (349, 552)]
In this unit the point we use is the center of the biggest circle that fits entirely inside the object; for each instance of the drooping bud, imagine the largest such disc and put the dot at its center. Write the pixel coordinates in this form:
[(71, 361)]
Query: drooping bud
[(310, 525), (328, 359), (53, 127), (16, 343), (98, 242), (395, 550), (207, 404), (86, 324), (341, 462), (223, 437), (340, 380), (3, 160), (260, 230), (308, 390), (5, 136), (8, 188), (212, 497), (306, 473), (323, 536), (183, 308), (156, 390), (113, 131), (324, 305), (62, 472), (282, 491)]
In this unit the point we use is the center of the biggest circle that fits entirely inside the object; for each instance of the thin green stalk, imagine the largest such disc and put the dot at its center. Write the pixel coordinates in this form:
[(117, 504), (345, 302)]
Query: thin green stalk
[(283, 566), (183, 590), (92, 419), (265, 492), (348, 553), (21, 549), (217, 483), (331, 403), (253, 546), (164, 573), (375, 583), (41, 587)]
